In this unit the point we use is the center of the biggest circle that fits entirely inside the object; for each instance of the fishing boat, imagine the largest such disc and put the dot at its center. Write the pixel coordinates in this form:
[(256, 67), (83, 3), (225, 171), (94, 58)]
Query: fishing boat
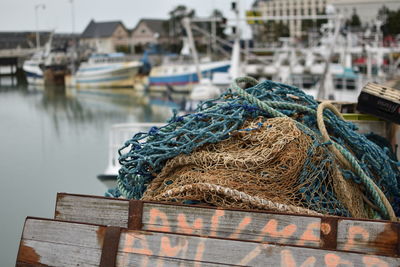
[(33, 68), (107, 70), (340, 83), (48, 65), (186, 70), (119, 133), (182, 75)]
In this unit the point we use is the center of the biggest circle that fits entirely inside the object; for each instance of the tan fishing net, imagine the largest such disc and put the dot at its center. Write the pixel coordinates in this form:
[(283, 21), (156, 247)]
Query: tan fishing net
[(268, 164)]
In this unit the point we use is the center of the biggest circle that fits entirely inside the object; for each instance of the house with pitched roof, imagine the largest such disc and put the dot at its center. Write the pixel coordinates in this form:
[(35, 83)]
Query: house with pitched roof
[(105, 37), (157, 31), (150, 31)]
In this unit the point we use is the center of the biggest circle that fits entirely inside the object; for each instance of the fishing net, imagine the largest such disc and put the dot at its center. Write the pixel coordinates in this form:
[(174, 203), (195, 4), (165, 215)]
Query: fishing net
[(261, 148), (264, 159)]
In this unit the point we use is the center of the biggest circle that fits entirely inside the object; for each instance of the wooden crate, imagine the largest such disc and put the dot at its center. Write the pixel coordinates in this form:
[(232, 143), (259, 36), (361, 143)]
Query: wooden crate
[(57, 243), (99, 231), (367, 236)]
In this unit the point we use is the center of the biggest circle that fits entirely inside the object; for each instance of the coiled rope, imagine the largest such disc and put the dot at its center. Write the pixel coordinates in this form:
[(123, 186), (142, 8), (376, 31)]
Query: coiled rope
[(343, 155), (254, 201)]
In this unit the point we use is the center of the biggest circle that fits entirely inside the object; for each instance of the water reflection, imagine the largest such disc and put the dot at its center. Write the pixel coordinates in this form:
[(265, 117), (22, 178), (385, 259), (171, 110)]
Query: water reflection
[(95, 107), (56, 140)]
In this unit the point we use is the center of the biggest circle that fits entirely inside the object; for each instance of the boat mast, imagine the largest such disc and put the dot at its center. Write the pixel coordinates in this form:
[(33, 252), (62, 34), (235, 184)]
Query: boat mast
[(234, 70), (73, 38), (325, 84), (43, 6), (186, 25)]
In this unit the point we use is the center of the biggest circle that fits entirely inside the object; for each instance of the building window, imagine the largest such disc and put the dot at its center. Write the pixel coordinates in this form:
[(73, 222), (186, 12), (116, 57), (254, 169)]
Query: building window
[(143, 31)]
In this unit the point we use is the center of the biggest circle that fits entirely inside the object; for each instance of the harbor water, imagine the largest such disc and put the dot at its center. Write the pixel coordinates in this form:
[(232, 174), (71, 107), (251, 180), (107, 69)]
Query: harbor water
[(56, 140)]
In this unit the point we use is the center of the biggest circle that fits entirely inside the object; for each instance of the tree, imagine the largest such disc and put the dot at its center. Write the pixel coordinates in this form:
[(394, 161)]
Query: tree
[(175, 28), (176, 16), (390, 19), (309, 24), (220, 25), (271, 31), (354, 21)]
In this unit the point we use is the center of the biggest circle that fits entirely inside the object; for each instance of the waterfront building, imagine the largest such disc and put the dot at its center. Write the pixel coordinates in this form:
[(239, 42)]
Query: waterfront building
[(21, 40), (291, 8), (105, 37), (367, 10), (150, 31), (164, 33)]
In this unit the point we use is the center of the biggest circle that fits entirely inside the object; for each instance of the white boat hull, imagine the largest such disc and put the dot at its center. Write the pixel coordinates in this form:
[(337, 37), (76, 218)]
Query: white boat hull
[(34, 74), (107, 76)]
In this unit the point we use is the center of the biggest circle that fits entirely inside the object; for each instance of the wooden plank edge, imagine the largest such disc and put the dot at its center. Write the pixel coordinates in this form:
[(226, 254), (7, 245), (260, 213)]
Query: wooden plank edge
[(26, 264), (219, 238), (230, 209), (398, 239)]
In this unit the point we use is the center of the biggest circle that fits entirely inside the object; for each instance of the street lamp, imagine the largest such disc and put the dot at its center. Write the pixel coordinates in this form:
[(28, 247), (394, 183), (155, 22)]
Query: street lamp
[(36, 22), (72, 36), (72, 15)]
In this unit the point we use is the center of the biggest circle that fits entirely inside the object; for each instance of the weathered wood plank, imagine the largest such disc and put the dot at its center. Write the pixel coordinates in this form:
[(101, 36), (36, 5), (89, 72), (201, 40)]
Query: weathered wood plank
[(60, 255), (245, 225), (46, 230), (261, 227), (371, 237), (56, 244), (92, 210)]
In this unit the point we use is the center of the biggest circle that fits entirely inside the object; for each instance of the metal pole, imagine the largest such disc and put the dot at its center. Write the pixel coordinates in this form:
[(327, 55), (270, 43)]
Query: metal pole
[(214, 33), (37, 24), (290, 17), (72, 15), (186, 24), (37, 29), (323, 91), (369, 63), (235, 69), (73, 38)]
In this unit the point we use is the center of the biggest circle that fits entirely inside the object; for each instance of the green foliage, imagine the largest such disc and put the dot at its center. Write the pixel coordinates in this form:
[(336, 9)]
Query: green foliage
[(139, 49), (176, 15), (123, 49), (391, 18), (354, 21), (271, 31), (220, 26), (175, 28), (308, 24)]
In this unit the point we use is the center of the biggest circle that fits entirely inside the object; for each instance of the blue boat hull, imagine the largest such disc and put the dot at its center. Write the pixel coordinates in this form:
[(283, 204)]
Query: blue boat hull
[(184, 79)]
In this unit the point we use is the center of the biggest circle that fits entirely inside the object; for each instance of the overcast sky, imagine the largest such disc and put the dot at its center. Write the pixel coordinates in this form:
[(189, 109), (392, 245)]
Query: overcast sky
[(19, 15)]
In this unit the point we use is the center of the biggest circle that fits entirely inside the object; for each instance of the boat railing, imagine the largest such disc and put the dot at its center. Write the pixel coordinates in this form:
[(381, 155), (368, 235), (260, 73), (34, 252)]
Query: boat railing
[(119, 134)]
